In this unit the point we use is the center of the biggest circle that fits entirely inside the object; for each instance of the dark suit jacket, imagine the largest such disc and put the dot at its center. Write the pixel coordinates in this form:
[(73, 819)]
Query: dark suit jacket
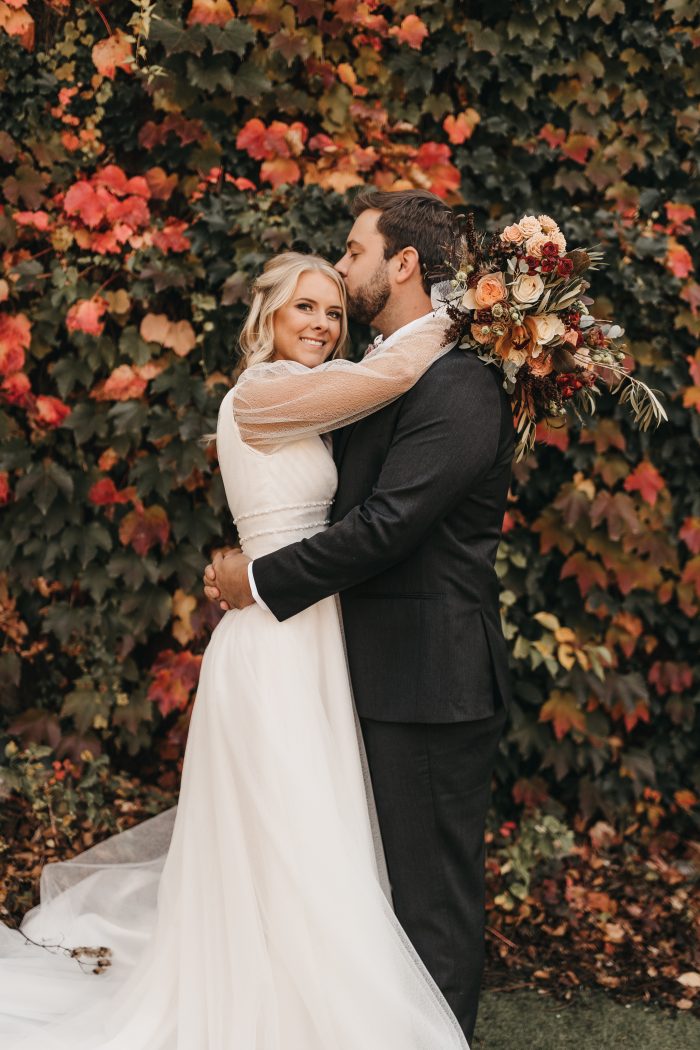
[(411, 549)]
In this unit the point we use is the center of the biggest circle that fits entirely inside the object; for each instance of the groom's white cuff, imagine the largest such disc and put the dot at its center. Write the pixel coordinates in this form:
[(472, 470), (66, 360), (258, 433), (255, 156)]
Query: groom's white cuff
[(254, 589)]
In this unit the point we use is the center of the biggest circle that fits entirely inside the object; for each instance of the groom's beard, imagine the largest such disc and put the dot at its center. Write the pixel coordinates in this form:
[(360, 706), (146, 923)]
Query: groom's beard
[(366, 302)]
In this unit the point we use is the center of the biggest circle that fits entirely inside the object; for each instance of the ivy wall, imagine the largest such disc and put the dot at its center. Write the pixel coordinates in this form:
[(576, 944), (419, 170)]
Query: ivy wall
[(151, 159)]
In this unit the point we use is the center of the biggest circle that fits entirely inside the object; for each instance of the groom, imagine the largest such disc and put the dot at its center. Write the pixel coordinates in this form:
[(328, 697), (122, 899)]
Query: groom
[(411, 549)]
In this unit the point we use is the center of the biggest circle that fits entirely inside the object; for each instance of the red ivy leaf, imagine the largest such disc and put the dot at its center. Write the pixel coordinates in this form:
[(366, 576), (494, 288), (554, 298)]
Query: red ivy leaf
[(175, 677), (646, 480), (50, 411), (690, 534), (412, 31), (15, 336), (144, 527)]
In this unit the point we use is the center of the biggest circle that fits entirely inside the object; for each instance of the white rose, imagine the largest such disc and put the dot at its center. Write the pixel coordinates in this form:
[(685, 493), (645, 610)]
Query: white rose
[(529, 225), (526, 290), (548, 326)]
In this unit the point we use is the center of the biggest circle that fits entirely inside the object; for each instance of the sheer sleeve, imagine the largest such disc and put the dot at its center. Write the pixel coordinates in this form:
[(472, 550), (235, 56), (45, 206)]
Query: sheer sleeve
[(282, 401)]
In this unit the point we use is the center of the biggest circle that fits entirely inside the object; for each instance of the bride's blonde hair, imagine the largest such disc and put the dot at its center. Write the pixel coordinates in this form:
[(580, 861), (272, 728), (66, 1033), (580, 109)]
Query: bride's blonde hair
[(273, 289)]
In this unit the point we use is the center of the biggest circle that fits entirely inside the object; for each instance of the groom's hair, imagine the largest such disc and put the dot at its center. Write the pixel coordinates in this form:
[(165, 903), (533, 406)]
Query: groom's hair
[(416, 219)]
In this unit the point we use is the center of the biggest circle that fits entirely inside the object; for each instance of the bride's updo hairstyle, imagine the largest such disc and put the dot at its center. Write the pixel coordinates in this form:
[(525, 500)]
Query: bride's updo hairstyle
[(273, 289)]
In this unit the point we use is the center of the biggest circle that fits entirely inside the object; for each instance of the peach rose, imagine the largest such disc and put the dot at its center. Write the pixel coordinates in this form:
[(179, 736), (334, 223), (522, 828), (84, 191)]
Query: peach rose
[(548, 224), (513, 235), (527, 289), (535, 244), (529, 225), (541, 366), (559, 239), (570, 336), (490, 290), (547, 327)]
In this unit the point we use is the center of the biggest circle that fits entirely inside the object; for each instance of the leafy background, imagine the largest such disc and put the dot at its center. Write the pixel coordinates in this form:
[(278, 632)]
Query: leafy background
[(151, 158)]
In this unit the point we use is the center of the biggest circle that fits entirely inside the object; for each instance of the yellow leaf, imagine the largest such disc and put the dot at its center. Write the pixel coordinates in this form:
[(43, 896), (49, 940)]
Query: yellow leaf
[(566, 656), (183, 607), (548, 621)]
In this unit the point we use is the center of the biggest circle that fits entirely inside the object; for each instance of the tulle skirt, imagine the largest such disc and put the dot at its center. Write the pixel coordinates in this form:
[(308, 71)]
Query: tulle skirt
[(253, 917)]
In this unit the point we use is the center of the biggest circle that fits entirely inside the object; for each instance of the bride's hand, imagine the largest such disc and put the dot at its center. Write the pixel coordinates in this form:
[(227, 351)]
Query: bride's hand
[(226, 580), (209, 580)]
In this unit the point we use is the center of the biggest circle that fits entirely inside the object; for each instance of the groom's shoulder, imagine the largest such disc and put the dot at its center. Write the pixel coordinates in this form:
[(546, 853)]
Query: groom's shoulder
[(462, 375)]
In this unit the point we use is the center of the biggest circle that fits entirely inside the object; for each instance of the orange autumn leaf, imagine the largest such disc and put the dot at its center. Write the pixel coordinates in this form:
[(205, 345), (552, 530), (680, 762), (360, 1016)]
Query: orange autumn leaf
[(104, 493), (461, 128), (172, 237), (686, 800), (690, 577), (669, 676), (679, 215), (15, 336), (210, 12), (412, 31), (16, 389), (690, 534), (17, 22), (577, 147), (124, 383), (160, 184), (144, 527), (588, 573), (280, 171), (646, 480), (564, 713), (85, 315), (38, 220), (5, 493), (175, 677), (112, 54), (678, 259), (49, 411), (433, 158), (176, 335), (83, 200)]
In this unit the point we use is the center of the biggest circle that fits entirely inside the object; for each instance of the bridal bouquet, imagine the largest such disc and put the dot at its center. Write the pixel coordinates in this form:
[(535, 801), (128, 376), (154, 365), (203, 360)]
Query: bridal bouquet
[(519, 299)]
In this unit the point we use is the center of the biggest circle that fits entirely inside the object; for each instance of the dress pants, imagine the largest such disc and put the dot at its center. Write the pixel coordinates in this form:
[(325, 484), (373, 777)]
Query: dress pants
[(432, 788)]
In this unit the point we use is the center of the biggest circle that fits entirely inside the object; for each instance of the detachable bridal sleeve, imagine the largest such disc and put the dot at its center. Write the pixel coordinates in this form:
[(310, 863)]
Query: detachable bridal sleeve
[(281, 401)]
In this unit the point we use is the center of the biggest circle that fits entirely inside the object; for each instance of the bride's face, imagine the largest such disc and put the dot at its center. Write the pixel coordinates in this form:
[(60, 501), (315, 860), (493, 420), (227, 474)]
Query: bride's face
[(308, 327)]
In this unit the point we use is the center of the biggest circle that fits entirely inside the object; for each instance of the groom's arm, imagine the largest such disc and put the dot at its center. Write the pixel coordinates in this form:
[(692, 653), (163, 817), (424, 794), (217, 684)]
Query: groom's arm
[(445, 441)]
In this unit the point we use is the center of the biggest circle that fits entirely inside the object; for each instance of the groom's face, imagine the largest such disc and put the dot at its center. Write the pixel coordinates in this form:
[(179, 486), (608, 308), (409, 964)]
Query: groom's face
[(364, 269)]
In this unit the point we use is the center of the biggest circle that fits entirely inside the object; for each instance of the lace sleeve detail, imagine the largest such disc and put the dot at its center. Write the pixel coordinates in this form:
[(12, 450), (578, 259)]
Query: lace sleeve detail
[(281, 401)]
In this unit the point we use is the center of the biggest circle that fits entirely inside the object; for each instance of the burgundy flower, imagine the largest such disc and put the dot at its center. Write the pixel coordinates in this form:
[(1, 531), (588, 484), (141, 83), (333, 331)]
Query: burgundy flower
[(547, 265), (565, 267), (550, 249)]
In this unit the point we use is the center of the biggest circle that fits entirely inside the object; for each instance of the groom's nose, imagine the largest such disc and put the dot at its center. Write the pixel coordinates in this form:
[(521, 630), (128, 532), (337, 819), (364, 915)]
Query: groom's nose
[(342, 265)]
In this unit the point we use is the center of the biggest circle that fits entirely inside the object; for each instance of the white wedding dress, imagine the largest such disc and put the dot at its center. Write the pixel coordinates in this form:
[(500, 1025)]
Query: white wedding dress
[(253, 917)]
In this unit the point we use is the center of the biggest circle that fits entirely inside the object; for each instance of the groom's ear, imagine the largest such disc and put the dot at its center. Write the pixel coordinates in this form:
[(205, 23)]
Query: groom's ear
[(407, 265)]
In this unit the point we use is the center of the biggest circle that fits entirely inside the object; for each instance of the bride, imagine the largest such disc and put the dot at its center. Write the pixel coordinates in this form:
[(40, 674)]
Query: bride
[(255, 916)]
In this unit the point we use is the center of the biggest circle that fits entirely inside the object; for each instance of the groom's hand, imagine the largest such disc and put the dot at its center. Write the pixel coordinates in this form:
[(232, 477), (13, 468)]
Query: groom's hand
[(226, 580)]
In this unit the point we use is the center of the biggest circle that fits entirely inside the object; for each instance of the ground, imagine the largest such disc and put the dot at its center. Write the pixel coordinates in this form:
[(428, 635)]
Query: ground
[(526, 1020)]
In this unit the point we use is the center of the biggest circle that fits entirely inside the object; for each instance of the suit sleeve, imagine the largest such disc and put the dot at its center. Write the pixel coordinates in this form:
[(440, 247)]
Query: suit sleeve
[(445, 441)]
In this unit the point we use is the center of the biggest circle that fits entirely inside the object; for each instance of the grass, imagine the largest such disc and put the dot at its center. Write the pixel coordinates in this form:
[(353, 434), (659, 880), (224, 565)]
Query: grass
[(528, 1021)]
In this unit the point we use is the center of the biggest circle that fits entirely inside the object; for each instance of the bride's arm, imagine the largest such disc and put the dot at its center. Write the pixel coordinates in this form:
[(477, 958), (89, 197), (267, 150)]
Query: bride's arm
[(281, 401)]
